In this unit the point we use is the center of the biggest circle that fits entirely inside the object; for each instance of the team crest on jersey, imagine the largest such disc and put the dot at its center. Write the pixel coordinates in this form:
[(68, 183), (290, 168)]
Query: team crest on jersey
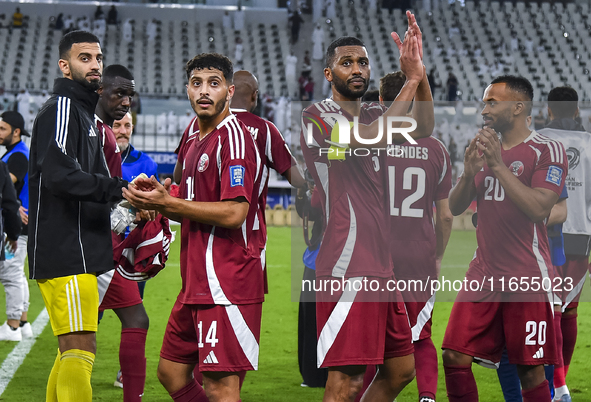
[(236, 176), (554, 175), (203, 163), (517, 168), (574, 157)]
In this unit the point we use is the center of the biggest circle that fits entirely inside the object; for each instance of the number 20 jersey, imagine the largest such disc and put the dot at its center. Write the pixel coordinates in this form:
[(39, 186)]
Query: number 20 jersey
[(221, 265), (509, 243)]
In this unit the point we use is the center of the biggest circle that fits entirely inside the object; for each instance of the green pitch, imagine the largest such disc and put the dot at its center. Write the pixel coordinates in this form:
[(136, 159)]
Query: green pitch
[(278, 378)]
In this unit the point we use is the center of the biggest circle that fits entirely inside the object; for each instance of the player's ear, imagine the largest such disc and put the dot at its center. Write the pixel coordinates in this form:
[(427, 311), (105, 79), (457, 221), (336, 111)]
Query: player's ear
[(231, 89), (64, 66), (187, 86), (328, 74), (100, 90), (518, 108)]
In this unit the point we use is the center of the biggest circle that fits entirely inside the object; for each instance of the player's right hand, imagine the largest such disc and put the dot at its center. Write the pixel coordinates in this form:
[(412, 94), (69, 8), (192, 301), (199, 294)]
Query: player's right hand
[(24, 213), (410, 60), (473, 160)]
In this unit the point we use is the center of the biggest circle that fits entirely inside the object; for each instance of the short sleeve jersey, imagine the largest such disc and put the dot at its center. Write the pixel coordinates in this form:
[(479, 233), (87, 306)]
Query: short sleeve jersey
[(220, 265), (110, 148), (352, 193), (188, 136), (274, 152), (509, 243), (418, 175)]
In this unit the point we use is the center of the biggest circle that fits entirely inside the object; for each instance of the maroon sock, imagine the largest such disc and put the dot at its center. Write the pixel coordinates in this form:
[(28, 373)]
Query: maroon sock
[(460, 383), (559, 375), (370, 373), (192, 392), (537, 394), (132, 358), (426, 367), (569, 337)]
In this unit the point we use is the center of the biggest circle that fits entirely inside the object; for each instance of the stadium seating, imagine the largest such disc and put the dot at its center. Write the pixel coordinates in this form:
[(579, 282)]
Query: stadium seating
[(560, 37)]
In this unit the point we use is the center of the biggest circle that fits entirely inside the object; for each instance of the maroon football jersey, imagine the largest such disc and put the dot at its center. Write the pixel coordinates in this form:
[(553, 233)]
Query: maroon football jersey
[(509, 243), (220, 265), (188, 136), (418, 175), (352, 191), (110, 148), (274, 152)]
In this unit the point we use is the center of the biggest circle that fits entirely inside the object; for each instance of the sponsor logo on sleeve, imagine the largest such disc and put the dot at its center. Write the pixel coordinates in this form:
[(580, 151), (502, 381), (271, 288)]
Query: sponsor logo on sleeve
[(554, 175), (237, 176)]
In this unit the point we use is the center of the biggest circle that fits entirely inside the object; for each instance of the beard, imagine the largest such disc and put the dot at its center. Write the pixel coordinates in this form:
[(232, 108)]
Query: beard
[(92, 85), (218, 107), (342, 87)]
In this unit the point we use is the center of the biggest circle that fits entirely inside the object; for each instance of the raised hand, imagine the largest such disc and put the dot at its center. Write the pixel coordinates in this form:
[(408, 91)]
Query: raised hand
[(410, 60), (414, 28), (490, 146), (473, 160)]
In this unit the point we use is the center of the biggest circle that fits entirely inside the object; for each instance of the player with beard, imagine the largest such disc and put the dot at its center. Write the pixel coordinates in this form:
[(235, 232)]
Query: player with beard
[(517, 178), (215, 322), (70, 188), (115, 292), (360, 328)]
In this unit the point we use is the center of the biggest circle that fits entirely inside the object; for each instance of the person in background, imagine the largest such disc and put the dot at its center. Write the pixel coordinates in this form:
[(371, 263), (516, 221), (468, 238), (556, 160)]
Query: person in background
[(12, 269), (17, 19)]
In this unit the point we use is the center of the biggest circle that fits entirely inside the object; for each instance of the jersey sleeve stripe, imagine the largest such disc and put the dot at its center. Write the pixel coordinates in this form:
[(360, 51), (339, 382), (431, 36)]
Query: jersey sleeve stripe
[(63, 119), (230, 135), (268, 151)]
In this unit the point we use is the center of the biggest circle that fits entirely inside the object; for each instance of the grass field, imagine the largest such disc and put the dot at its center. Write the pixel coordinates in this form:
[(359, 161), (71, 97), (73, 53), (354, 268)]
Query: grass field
[(278, 378)]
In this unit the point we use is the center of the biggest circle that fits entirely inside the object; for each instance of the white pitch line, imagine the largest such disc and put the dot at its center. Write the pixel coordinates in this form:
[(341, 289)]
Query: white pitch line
[(20, 351)]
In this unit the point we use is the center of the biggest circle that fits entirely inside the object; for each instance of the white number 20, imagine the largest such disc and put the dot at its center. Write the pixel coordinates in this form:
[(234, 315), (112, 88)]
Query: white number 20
[(532, 328)]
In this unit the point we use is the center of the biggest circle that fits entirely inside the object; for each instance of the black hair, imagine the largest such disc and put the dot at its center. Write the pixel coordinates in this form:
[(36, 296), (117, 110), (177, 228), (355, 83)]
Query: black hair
[(342, 41), (210, 61), (117, 70), (563, 102), (75, 37), (518, 84), (390, 86), (373, 95)]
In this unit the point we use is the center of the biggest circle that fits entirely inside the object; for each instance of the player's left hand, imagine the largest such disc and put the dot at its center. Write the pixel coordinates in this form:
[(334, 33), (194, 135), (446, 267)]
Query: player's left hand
[(24, 213), (489, 144), (147, 194)]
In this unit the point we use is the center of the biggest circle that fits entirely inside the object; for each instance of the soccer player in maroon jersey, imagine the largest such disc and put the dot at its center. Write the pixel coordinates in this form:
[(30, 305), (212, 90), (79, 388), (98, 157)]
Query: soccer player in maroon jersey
[(418, 176), (359, 328), (115, 292), (516, 179), (215, 322)]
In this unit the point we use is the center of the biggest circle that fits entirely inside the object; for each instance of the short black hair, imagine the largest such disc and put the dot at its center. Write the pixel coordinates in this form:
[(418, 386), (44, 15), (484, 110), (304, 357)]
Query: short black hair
[(342, 41), (519, 84), (75, 37), (563, 102), (117, 70), (373, 95), (210, 61), (390, 86)]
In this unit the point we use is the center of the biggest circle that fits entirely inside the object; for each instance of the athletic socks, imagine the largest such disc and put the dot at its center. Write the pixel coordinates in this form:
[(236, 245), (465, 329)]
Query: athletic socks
[(559, 374), (51, 393), (569, 338), (426, 367), (461, 385), (537, 394), (73, 379), (559, 391), (132, 358), (192, 392)]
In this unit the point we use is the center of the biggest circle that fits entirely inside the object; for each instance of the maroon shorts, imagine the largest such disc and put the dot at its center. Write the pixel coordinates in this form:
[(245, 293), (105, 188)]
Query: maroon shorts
[(117, 292), (420, 314), (482, 329), (361, 328), (573, 274), (215, 337)]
